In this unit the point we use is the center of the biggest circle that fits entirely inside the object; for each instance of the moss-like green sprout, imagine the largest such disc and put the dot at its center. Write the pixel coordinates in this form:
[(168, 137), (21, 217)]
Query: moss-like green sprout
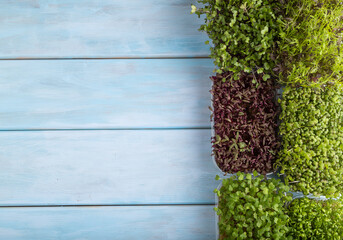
[(312, 139), (313, 219)]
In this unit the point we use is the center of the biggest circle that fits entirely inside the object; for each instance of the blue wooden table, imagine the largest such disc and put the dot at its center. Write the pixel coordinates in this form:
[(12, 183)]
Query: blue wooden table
[(104, 125)]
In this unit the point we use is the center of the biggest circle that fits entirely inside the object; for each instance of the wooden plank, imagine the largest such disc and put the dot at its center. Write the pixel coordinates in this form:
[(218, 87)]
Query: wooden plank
[(106, 28), (104, 93), (124, 223), (106, 167), (157, 222)]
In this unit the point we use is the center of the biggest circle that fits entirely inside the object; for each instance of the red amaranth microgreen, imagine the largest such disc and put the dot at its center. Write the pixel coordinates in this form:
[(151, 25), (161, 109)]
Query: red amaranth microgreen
[(245, 117)]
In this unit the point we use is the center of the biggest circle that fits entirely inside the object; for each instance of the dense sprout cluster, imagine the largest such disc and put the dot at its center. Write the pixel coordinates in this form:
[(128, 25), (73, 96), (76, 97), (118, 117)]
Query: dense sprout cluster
[(312, 139), (244, 33), (245, 114), (310, 46), (252, 208), (312, 219), (253, 42)]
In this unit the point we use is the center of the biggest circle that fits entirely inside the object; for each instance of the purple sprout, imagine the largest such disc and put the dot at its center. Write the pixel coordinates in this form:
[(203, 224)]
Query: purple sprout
[(245, 114)]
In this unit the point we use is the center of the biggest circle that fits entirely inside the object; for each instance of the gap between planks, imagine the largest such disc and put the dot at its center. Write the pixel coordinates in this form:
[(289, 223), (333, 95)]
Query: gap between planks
[(103, 58), (106, 129), (109, 205)]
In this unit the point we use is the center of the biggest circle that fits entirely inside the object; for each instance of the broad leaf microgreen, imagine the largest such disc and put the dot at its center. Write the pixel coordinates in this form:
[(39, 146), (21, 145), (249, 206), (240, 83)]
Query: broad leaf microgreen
[(252, 208)]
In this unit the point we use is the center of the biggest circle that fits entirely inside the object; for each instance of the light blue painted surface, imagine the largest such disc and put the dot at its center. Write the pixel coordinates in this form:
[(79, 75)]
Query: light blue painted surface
[(108, 223), (106, 167), (99, 28), (104, 93)]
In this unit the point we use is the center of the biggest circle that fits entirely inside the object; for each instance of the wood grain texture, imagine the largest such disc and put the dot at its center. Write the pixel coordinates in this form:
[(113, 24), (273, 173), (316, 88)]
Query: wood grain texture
[(59, 94), (108, 223), (106, 167), (106, 28)]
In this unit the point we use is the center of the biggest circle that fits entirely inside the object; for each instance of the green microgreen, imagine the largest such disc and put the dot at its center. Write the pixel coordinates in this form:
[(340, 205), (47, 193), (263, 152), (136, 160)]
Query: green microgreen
[(313, 219), (244, 33), (311, 38), (312, 139), (252, 207)]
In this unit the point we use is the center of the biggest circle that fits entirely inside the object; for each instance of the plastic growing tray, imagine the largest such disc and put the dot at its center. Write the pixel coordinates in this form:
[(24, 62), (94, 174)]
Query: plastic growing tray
[(227, 175), (295, 196)]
